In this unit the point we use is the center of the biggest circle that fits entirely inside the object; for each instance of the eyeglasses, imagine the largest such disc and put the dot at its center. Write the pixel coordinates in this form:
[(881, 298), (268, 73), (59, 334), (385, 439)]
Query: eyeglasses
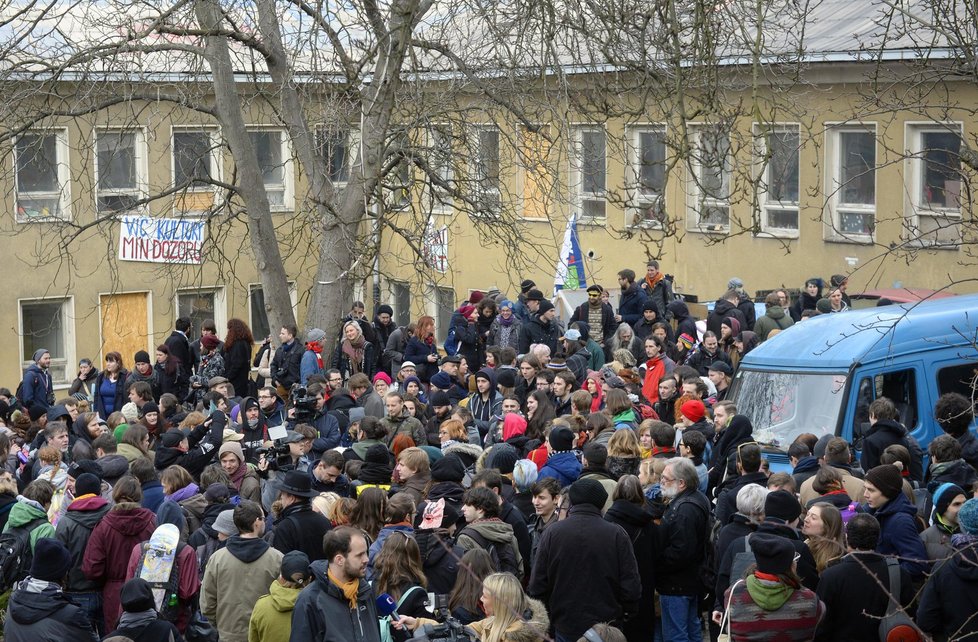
[(593, 295), (746, 443), (667, 480), (264, 396)]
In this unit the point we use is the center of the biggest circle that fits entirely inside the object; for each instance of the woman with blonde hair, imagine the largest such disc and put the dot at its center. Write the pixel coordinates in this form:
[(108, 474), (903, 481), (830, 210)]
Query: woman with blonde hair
[(511, 614), (354, 354), (823, 526), (323, 504), (624, 454)]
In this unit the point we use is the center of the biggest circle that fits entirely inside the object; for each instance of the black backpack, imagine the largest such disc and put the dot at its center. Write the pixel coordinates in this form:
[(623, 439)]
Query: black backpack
[(896, 625), (16, 554), (503, 557), (707, 571)]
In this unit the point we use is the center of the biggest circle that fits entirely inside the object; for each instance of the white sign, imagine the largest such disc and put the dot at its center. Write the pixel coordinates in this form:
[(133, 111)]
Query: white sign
[(436, 248), (160, 240)]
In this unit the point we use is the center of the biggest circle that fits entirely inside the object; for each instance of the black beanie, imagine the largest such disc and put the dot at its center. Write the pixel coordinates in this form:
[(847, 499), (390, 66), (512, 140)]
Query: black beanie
[(773, 554), (545, 306), (377, 454), (588, 492), (52, 560), (87, 484), (385, 309), (448, 468), (137, 596), (142, 357), (782, 505), (506, 377), (503, 458), (561, 439), (887, 480)]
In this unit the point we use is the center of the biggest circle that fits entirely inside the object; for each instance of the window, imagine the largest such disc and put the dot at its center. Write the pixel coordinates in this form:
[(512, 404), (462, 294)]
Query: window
[(256, 310), (589, 173), (397, 182), (444, 307), (780, 185), (486, 170), (334, 147), (196, 162), (120, 166), (851, 161), (648, 179), (961, 378), (273, 163), (710, 173), (401, 293), (200, 305), (47, 324), (41, 159), (538, 187), (900, 387), (936, 184)]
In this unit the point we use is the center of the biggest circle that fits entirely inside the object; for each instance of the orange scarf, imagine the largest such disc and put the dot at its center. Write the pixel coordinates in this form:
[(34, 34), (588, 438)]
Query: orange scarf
[(350, 589), (651, 283)]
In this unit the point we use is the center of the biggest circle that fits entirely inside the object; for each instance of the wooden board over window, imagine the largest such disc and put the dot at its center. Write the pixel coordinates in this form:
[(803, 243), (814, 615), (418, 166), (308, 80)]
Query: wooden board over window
[(125, 325)]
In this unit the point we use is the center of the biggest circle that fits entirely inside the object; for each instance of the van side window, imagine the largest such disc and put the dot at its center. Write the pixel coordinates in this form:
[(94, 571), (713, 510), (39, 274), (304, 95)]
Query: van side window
[(900, 387), (962, 378)]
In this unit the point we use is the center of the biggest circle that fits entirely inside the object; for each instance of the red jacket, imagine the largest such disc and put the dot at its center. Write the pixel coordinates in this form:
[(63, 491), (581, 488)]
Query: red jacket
[(108, 550), (655, 370)]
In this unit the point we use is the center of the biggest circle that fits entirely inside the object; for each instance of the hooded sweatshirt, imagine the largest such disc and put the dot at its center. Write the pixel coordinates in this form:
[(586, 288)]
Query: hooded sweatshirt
[(271, 621), (26, 511), (249, 565), (562, 466), (492, 530), (74, 530), (39, 610)]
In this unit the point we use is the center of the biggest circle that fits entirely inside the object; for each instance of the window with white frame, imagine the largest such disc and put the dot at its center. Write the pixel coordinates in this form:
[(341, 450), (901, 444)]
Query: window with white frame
[(937, 184), (258, 316), (196, 162), (334, 147), (779, 189), (272, 149), (120, 167), (47, 324), (850, 152), (485, 164), (42, 180), (648, 175), (589, 172), (201, 304), (440, 163), (710, 175)]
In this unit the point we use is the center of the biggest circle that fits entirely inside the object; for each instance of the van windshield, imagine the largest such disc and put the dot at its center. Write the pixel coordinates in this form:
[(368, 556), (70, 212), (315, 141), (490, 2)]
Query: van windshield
[(783, 405)]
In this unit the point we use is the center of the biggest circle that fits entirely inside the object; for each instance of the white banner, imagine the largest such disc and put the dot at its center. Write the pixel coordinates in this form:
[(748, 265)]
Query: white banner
[(160, 240)]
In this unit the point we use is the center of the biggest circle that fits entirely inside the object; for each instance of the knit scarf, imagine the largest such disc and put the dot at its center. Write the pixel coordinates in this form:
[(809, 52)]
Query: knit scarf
[(504, 321), (238, 476), (355, 352), (317, 348), (654, 281), (350, 589)]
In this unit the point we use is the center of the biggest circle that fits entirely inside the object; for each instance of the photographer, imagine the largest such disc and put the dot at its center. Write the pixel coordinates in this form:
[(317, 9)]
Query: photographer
[(193, 449), (283, 455), (326, 425), (254, 429)]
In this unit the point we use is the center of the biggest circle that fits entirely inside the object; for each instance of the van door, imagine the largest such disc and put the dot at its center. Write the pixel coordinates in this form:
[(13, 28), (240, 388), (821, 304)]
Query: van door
[(950, 376), (903, 384)]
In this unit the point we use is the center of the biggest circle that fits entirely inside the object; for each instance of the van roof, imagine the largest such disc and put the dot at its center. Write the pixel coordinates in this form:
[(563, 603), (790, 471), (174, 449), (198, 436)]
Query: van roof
[(836, 341)]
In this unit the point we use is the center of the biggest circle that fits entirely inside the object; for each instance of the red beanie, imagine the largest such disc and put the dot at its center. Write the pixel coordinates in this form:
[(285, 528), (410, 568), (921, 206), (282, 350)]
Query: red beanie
[(694, 410)]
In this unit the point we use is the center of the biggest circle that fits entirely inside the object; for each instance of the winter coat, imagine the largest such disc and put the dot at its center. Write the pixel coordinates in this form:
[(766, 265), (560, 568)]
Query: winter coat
[(153, 379), (300, 528), (504, 336), (394, 351), (661, 295), (950, 598), (608, 323), (535, 626), (176, 382), (585, 572), (492, 530), (883, 434), (416, 351), (404, 425), (38, 387), (377, 544), (805, 469), (727, 497), (7, 502), (237, 365), (323, 614), (855, 592), (343, 363), (562, 466), (119, 398), (853, 485), (74, 530), (773, 319), (25, 511), (285, 365), (271, 619), (679, 542), (805, 302), (40, 611), (203, 443), (372, 404), (249, 565), (937, 541), (957, 472), (439, 559), (898, 534), (724, 309), (969, 448), (534, 330), (769, 610), (702, 360), (637, 522), (685, 323), (107, 554), (740, 526), (603, 477), (632, 302), (145, 627), (724, 457)]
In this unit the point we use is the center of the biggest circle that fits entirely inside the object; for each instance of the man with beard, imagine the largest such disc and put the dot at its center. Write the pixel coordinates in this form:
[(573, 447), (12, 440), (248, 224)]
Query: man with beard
[(272, 408), (442, 407), (665, 407), (383, 327), (253, 428)]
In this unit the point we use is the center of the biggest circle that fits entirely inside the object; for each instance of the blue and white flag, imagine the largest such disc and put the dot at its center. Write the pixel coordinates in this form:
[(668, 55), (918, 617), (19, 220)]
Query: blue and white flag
[(570, 263)]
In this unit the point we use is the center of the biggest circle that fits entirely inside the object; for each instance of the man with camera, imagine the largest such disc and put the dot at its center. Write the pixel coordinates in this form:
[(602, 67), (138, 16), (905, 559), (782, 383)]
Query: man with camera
[(310, 408)]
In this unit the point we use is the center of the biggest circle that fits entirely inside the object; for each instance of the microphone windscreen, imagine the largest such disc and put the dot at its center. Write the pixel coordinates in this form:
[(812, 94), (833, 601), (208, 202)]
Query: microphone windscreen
[(385, 605)]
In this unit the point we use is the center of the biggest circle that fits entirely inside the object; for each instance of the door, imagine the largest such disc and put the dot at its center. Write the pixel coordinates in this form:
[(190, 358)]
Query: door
[(125, 325)]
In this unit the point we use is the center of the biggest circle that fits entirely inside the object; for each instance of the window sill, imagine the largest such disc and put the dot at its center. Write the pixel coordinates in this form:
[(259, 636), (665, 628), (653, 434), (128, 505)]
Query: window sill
[(778, 234), (850, 239), (592, 222), (716, 230)]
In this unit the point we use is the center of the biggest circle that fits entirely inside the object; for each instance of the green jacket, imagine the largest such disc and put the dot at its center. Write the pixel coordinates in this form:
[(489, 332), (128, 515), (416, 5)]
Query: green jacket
[(271, 619), (26, 511)]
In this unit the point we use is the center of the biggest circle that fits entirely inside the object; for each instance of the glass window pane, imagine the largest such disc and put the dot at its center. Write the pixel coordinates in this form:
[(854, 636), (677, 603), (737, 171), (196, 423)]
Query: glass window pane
[(268, 147), (487, 165), (116, 161), (857, 168), (592, 162), (259, 318), (714, 169), (652, 162), (191, 157), (782, 168), (857, 222), (941, 176), (43, 324), (37, 163), (782, 219), (196, 305), (402, 303), (333, 146), (441, 153)]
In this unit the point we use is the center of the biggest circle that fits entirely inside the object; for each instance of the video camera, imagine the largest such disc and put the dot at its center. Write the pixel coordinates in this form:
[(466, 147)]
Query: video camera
[(451, 630), (305, 405), (278, 455)]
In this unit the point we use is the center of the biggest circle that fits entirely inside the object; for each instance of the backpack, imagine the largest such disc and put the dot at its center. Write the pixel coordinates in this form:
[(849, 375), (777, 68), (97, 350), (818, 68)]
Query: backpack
[(707, 572), (451, 342), (849, 511), (741, 561), (170, 608), (503, 557), (385, 622), (896, 625), (16, 554)]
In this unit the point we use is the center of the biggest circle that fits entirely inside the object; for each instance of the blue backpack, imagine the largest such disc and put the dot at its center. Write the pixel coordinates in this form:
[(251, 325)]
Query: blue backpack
[(451, 342)]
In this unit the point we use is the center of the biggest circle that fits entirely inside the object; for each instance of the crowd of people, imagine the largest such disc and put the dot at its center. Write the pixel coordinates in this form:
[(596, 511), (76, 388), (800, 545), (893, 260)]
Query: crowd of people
[(527, 479)]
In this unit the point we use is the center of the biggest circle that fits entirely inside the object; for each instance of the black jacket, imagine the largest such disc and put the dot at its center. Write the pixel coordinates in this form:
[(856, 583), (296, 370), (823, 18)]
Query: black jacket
[(179, 346), (343, 363), (886, 433), (855, 599), (727, 497), (149, 629), (534, 330), (637, 522), (439, 559), (41, 611), (633, 300), (203, 443), (950, 599), (237, 366), (585, 572), (724, 309), (323, 614), (702, 361), (608, 324), (74, 529), (739, 526), (512, 516), (680, 539), (285, 365), (300, 528)]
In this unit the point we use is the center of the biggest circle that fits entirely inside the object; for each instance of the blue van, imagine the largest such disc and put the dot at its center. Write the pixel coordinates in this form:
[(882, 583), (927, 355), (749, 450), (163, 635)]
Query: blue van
[(821, 375)]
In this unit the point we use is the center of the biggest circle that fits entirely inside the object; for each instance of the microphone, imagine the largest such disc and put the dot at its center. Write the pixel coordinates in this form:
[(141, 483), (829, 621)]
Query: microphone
[(387, 606)]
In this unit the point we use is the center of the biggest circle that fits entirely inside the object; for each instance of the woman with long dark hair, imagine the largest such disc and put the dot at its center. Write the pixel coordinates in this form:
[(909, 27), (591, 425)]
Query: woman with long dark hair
[(109, 389), (370, 512), (398, 573), (539, 414), (465, 601), (171, 373), (237, 355)]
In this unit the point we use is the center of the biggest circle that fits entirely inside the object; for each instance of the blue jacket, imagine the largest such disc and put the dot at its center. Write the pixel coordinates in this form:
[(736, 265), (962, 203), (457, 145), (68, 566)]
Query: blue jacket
[(309, 365), (152, 495), (564, 467), (329, 434), (630, 306), (37, 386), (898, 535)]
